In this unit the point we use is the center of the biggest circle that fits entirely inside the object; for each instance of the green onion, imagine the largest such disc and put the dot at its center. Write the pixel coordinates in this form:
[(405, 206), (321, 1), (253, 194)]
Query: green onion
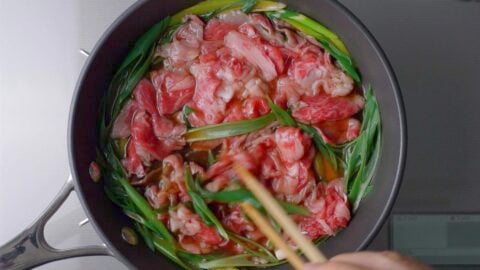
[(195, 259), (211, 158), (230, 129), (343, 58), (321, 240), (104, 132), (146, 235), (324, 148), (362, 156), (261, 252), (231, 196), (208, 9), (145, 42), (121, 147), (187, 110), (242, 260), (318, 165), (265, 5), (200, 207), (243, 195), (119, 190), (168, 250), (248, 6), (286, 119), (133, 68), (292, 208), (205, 7), (282, 116), (312, 24), (146, 210)]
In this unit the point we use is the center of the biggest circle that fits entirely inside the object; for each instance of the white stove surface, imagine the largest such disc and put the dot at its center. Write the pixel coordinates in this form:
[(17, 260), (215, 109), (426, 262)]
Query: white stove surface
[(39, 66)]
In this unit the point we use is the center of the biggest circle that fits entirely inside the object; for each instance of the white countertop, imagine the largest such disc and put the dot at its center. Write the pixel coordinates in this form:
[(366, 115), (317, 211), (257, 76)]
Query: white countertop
[(39, 66)]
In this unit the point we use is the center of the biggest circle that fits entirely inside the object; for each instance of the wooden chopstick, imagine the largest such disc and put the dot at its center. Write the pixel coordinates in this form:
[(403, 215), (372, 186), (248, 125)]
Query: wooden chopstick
[(277, 212), (267, 229)]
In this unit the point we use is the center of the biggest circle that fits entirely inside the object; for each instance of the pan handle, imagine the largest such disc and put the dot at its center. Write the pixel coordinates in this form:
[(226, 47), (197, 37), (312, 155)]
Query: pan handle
[(30, 249)]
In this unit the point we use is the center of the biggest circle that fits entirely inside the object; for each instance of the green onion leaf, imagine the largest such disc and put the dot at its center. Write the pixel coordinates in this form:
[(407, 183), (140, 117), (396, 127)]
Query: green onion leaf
[(243, 195), (231, 196), (195, 259), (312, 24), (169, 250), (133, 68), (318, 165), (146, 210), (282, 116), (210, 8), (362, 156), (145, 42), (324, 148), (146, 235), (265, 5), (230, 129), (211, 158), (248, 6), (260, 251), (286, 119), (200, 207), (342, 57), (206, 7), (292, 208), (187, 110), (242, 260), (119, 190)]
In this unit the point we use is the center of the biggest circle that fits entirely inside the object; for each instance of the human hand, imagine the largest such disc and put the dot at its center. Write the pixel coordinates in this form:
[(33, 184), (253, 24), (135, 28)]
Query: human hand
[(368, 260)]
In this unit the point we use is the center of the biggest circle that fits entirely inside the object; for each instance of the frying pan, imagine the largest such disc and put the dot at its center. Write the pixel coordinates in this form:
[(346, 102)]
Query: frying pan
[(29, 249)]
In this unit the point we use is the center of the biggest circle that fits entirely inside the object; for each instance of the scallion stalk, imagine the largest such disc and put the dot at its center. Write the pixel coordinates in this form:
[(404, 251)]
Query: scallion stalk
[(282, 116), (241, 260), (241, 194), (342, 57), (200, 207), (312, 24), (362, 156), (210, 8), (230, 129)]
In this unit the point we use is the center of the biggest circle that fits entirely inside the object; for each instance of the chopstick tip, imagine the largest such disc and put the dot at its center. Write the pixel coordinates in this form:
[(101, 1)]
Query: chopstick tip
[(242, 172)]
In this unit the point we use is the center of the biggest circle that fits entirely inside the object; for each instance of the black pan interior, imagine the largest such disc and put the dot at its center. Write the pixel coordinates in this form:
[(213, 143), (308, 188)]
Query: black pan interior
[(113, 47)]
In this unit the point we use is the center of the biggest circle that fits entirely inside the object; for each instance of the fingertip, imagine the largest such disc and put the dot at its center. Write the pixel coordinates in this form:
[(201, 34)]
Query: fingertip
[(343, 256), (392, 255), (331, 265), (311, 266)]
